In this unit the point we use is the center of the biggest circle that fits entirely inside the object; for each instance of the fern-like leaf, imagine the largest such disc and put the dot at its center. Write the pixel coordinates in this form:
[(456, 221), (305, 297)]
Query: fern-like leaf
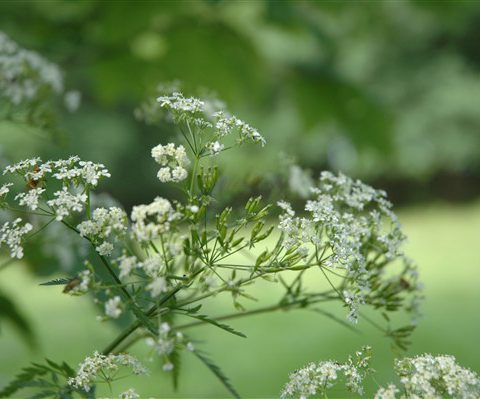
[(57, 281), (26, 376), (218, 372), (225, 327)]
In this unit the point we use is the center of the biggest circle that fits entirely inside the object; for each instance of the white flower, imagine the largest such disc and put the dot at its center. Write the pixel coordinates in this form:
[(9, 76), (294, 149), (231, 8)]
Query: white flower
[(210, 282), (173, 160), (72, 100), (152, 220), (5, 189), (91, 172), (389, 392), (215, 148), (112, 307), (75, 171), (349, 223), (153, 265), (66, 202), (179, 173), (12, 234), (311, 380), (167, 367), (177, 102), (226, 125), (126, 264), (25, 75), (22, 166), (315, 379), (432, 377), (157, 286), (129, 394), (164, 175), (105, 249), (102, 366), (69, 171), (30, 199), (105, 224), (299, 181), (194, 209)]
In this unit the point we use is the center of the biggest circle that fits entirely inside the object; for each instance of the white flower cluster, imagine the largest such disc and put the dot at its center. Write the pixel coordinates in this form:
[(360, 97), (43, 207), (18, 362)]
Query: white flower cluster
[(347, 222), (166, 342), (24, 74), (113, 307), (435, 377), (79, 172), (30, 199), (311, 380), (22, 167), (102, 366), (106, 224), (178, 103), (153, 267), (158, 286), (11, 234), (127, 264), (66, 202), (209, 115), (215, 148), (70, 171), (227, 125), (152, 220), (173, 160), (129, 394), (5, 189), (389, 392), (315, 379)]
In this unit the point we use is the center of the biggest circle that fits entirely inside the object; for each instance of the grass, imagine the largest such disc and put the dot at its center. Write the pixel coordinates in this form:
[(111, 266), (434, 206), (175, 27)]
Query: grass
[(443, 239)]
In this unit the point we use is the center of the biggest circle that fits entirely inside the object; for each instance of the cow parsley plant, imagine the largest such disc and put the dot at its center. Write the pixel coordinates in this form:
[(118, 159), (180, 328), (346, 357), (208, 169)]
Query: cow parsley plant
[(153, 267)]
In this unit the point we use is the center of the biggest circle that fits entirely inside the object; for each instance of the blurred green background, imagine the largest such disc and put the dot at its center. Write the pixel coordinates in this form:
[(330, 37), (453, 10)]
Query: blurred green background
[(384, 91)]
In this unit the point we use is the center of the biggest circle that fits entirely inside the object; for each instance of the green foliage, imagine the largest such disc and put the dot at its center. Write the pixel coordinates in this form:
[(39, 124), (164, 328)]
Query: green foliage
[(49, 378), (9, 311)]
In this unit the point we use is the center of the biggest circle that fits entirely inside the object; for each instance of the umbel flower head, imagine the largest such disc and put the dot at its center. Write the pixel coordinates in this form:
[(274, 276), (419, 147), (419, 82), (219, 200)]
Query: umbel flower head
[(435, 377), (317, 378), (173, 161), (104, 367), (31, 87), (24, 74), (421, 377), (208, 127), (152, 220), (11, 234), (350, 227)]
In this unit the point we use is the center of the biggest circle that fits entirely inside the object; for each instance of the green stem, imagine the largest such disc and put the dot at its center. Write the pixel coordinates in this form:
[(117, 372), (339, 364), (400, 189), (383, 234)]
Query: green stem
[(194, 172), (280, 306), (273, 308), (134, 307), (133, 327), (88, 205)]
